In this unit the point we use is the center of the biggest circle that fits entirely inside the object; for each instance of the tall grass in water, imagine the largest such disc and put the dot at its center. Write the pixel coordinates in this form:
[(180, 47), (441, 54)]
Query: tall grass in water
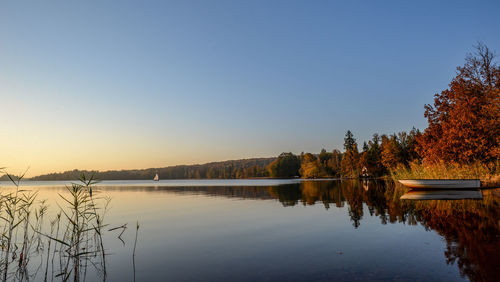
[(487, 173), (82, 238), (66, 248), (16, 208)]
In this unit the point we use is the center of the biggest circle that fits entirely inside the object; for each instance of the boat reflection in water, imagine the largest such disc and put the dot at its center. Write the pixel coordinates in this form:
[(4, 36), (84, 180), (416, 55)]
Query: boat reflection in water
[(442, 194)]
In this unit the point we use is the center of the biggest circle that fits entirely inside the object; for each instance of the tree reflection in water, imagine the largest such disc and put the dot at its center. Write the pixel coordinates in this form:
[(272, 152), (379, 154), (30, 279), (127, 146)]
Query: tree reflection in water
[(471, 228)]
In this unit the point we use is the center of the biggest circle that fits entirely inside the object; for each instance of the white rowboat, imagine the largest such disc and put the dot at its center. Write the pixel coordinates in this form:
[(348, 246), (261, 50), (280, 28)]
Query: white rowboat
[(441, 183)]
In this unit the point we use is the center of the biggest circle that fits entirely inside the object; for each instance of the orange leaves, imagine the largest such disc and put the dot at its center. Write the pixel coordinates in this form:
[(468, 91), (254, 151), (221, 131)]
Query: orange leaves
[(464, 122)]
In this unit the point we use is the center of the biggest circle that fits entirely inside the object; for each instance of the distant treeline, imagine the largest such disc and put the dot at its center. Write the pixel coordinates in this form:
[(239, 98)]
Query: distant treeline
[(246, 168), (377, 157)]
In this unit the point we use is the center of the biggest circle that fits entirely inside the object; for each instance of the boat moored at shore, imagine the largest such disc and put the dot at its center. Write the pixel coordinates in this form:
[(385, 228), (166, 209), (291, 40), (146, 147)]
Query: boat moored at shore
[(441, 183)]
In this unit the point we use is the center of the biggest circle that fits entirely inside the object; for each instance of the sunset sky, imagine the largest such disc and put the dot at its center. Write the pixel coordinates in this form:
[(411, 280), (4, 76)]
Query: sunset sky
[(137, 84)]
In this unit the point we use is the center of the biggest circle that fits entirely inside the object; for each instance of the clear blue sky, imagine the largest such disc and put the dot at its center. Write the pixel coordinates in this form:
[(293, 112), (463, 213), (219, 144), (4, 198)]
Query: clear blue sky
[(135, 84)]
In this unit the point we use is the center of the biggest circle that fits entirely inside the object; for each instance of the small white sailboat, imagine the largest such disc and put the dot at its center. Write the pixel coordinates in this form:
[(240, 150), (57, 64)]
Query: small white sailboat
[(157, 178)]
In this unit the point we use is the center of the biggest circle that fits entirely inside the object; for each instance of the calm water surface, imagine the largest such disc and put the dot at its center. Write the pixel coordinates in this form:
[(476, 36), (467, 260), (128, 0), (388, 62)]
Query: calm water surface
[(291, 230)]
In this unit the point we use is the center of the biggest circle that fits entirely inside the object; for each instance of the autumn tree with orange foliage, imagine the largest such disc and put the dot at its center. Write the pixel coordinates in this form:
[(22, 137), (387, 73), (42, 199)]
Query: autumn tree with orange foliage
[(391, 151), (464, 122), (350, 160), (309, 166)]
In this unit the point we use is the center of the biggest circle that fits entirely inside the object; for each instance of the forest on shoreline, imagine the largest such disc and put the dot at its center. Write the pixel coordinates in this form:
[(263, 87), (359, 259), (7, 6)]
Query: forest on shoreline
[(245, 168), (462, 140)]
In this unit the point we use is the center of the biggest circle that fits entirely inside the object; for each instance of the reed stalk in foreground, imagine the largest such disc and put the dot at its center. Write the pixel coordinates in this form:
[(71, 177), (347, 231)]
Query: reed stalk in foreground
[(135, 244), (83, 236)]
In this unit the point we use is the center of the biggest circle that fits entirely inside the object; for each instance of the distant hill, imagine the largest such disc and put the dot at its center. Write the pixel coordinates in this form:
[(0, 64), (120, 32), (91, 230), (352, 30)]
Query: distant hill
[(4, 178), (245, 168)]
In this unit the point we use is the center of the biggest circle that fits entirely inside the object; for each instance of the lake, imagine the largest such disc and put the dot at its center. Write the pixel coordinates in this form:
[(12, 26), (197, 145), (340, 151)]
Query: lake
[(275, 230)]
